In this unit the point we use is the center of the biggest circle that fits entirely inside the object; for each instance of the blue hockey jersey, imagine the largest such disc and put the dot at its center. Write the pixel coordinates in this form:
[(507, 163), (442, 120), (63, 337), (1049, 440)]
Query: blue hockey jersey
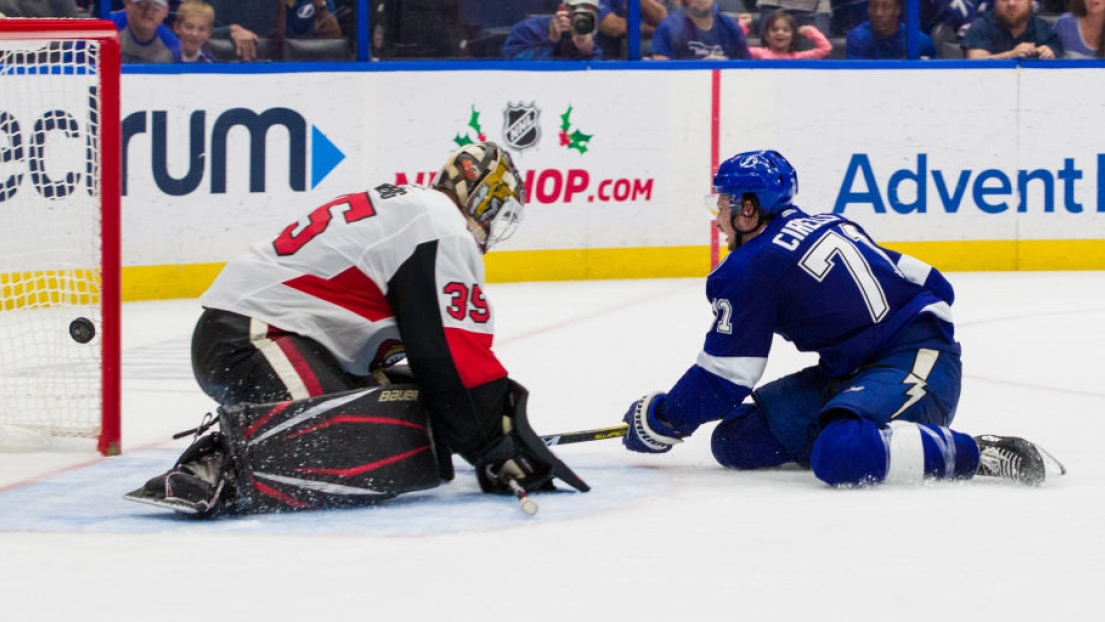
[(820, 282)]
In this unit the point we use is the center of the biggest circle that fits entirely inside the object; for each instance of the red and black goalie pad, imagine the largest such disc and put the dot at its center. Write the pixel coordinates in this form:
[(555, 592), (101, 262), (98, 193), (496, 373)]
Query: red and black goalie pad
[(331, 451)]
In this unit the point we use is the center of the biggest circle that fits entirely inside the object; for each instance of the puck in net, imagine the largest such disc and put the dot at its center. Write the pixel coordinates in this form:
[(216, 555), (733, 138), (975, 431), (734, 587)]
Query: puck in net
[(82, 330)]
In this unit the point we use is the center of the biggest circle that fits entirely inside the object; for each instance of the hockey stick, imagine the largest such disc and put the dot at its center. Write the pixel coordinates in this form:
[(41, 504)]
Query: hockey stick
[(582, 436), (529, 506)]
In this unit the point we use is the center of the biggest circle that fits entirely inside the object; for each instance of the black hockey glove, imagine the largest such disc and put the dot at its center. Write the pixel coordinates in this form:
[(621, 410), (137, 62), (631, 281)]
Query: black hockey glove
[(521, 456), (505, 461)]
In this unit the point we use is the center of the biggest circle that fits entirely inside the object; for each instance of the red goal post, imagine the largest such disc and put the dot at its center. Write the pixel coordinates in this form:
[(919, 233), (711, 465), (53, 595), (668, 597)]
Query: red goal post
[(60, 188)]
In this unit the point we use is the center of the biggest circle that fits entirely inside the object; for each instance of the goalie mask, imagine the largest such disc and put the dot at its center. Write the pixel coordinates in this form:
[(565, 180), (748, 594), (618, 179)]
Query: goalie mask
[(488, 189)]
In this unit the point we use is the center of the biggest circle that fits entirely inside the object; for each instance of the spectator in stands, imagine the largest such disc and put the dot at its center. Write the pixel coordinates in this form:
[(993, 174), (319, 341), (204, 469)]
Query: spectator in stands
[(846, 15), (613, 27), (1080, 30), (746, 23), (813, 12), (1011, 30), (565, 35), (143, 38), (346, 13), (956, 14), (701, 32), (249, 22), (194, 23), (38, 8), (883, 35), (307, 18), (424, 28), (779, 41), (91, 8), (245, 22)]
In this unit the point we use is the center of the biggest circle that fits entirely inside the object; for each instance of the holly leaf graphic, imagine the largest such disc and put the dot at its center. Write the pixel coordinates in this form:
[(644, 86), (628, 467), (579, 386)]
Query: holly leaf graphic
[(474, 121), (565, 119), (579, 141), (462, 140)]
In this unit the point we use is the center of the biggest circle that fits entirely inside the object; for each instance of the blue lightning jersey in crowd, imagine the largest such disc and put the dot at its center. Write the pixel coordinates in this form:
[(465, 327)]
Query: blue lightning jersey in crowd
[(820, 282)]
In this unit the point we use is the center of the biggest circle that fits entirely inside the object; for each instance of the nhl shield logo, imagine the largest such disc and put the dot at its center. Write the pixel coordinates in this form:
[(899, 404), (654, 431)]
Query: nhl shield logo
[(520, 127)]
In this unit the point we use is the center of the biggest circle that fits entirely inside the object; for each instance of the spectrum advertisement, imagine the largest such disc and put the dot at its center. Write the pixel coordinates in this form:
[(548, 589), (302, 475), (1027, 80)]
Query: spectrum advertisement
[(616, 162)]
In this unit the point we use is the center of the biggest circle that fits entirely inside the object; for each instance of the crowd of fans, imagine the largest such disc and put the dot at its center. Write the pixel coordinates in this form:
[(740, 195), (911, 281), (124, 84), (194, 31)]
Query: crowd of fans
[(207, 31)]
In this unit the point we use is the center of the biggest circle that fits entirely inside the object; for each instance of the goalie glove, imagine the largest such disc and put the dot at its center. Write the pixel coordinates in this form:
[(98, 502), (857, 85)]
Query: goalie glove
[(647, 433), (521, 456), (505, 462)]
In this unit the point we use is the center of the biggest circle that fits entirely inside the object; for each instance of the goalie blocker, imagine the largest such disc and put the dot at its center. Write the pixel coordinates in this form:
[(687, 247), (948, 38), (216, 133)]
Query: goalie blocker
[(339, 450)]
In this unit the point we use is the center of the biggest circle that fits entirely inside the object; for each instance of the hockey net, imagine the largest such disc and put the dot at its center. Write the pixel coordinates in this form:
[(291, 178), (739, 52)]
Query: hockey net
[(59, 209)]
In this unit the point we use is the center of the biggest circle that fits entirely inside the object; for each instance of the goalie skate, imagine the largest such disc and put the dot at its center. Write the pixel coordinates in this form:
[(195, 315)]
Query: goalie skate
[(194, 485), (175, 491), (1015, 459)]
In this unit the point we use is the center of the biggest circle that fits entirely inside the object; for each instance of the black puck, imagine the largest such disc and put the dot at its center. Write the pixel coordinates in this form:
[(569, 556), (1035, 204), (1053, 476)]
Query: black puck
[(82, 330)]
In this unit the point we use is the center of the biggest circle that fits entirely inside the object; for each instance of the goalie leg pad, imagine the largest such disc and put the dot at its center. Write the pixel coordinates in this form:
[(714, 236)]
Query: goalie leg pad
[(339, 450)]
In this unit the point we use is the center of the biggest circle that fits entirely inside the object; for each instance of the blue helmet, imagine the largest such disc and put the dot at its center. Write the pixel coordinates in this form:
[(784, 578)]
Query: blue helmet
[(765, 173)]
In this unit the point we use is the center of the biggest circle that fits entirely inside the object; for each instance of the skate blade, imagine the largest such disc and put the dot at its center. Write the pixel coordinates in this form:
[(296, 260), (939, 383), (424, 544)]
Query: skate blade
[(169, 504), (1052, 466)]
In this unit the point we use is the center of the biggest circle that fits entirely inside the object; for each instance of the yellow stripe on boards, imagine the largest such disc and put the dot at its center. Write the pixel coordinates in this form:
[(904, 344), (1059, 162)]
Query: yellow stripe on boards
[(189, 281)]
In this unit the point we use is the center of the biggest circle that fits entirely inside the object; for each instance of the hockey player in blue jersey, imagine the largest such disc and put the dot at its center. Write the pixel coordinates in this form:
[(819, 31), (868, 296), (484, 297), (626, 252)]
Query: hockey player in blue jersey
[(878, 406)]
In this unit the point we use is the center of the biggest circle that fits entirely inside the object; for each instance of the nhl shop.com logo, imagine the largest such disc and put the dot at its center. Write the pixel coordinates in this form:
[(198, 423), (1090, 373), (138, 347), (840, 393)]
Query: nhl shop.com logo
[(521, 129)]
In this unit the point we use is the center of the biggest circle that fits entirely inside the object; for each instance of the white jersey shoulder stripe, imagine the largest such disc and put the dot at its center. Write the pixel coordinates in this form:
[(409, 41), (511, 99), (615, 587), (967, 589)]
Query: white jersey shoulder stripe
[(742, 370), (914, 270), (941, 310)]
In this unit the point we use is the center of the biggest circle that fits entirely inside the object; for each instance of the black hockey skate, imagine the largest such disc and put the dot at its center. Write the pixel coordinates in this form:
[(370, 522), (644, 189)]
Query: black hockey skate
[(1015, 459), (194, 485)]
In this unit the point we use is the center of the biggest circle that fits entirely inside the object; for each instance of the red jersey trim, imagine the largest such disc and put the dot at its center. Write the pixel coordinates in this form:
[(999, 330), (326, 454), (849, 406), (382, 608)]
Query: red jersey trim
[(350, 289), (476, 363)]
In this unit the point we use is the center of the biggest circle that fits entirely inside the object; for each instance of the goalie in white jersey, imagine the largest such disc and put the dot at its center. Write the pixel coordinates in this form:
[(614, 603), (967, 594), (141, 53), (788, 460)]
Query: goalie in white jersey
[(328, 307)]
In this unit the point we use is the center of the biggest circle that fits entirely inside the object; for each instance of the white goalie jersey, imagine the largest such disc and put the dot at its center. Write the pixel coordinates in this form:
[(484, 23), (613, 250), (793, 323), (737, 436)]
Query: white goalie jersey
[(372, 276)]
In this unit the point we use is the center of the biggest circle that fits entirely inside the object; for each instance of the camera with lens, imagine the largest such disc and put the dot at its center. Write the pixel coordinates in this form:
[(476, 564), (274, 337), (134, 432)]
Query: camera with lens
[(581, 19)]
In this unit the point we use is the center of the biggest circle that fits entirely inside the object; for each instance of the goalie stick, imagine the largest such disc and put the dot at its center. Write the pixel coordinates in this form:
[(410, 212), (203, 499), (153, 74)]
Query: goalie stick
[(582, 436), (529, 506)]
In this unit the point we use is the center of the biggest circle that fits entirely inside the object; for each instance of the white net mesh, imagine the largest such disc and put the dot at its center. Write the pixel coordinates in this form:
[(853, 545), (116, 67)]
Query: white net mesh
[(50, 258)]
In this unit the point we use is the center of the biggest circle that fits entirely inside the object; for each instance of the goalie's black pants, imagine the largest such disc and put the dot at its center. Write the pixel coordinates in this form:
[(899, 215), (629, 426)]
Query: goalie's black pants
[(239, 359)]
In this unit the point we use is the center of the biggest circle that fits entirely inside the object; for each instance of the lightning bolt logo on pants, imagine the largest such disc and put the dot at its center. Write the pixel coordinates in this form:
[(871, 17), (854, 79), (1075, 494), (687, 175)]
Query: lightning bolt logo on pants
[(917, 379)]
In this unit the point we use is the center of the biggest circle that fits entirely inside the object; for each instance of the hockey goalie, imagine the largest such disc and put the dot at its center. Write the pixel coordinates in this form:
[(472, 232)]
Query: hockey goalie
[(300, 342)]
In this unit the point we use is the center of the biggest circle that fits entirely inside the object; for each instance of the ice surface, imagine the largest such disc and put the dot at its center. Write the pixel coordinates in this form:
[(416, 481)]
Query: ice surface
[(671, 537)]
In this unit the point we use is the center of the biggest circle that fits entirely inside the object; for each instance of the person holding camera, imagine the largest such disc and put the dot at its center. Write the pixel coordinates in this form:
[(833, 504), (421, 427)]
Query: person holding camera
[(569, 34)]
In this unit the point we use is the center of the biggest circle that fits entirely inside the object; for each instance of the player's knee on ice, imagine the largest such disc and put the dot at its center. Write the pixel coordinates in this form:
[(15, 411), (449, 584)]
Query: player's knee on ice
[(851, 451), (743, 440)]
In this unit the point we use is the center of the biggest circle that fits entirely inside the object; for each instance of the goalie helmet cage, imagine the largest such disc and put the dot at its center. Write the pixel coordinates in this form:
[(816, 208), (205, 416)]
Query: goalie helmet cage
[(60, 184)]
